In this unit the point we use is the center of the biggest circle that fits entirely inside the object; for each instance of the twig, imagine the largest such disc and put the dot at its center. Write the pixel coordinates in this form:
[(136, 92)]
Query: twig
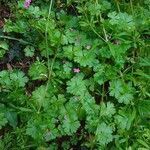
[(15, 39)]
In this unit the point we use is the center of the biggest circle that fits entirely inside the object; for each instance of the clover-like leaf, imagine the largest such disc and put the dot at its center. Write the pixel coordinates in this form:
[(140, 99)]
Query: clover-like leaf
[(29, 51)]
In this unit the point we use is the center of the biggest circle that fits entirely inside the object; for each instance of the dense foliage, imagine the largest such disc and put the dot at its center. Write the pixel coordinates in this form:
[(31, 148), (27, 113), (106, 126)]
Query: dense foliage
[(75, 74)]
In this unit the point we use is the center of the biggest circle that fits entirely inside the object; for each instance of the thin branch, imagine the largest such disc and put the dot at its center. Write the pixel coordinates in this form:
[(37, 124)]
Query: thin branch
[(15, 39)]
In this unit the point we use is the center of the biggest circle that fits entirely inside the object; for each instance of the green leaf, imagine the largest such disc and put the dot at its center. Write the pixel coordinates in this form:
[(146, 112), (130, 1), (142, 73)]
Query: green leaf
[(104, 73), (38, 71), (107, 109), (89, 105), (35, 11), (68, 51), (39, 96), (41, 127), (121, 91), (55, 37), (12, 118), (5, 79), (125, 118), (118, 52), (18, 78), (15, 78), (67, 69), (3, 48), (70, 122), (142, 74), (29, 51), (33, 130), (104, 52), (145, 62), (144, 108), (104, 134), (76, 86), (143, 143), (85, 58), (3, 120), (94, 9), (4, 45), (121, 21), (71, 36)]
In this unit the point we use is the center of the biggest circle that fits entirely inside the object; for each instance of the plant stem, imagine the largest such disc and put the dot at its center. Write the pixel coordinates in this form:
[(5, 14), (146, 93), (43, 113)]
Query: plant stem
[(15, 39), (96, 32), (93, 27), (103, 92), (118, 7), (104, 30), (50, 67), (50, 71), (46, 43), (131, 5)]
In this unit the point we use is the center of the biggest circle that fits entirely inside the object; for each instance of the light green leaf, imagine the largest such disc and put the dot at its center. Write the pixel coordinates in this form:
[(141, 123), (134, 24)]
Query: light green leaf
[(39, 96), (104, 134), (3, 48), (122, 21), (29, 51), (77, 86), (4, 45), (107, 109)]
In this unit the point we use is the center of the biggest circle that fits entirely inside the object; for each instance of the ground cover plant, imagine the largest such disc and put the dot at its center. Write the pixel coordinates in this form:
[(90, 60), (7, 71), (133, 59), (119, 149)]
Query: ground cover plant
[(74, 75)]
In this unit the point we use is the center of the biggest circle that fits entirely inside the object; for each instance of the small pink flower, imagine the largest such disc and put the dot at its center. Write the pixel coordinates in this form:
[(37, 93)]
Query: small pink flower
[(27, 3), (76, 70)]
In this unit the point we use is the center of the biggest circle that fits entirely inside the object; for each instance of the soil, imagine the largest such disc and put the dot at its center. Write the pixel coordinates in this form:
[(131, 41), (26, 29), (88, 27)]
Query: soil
[(4, 14)]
